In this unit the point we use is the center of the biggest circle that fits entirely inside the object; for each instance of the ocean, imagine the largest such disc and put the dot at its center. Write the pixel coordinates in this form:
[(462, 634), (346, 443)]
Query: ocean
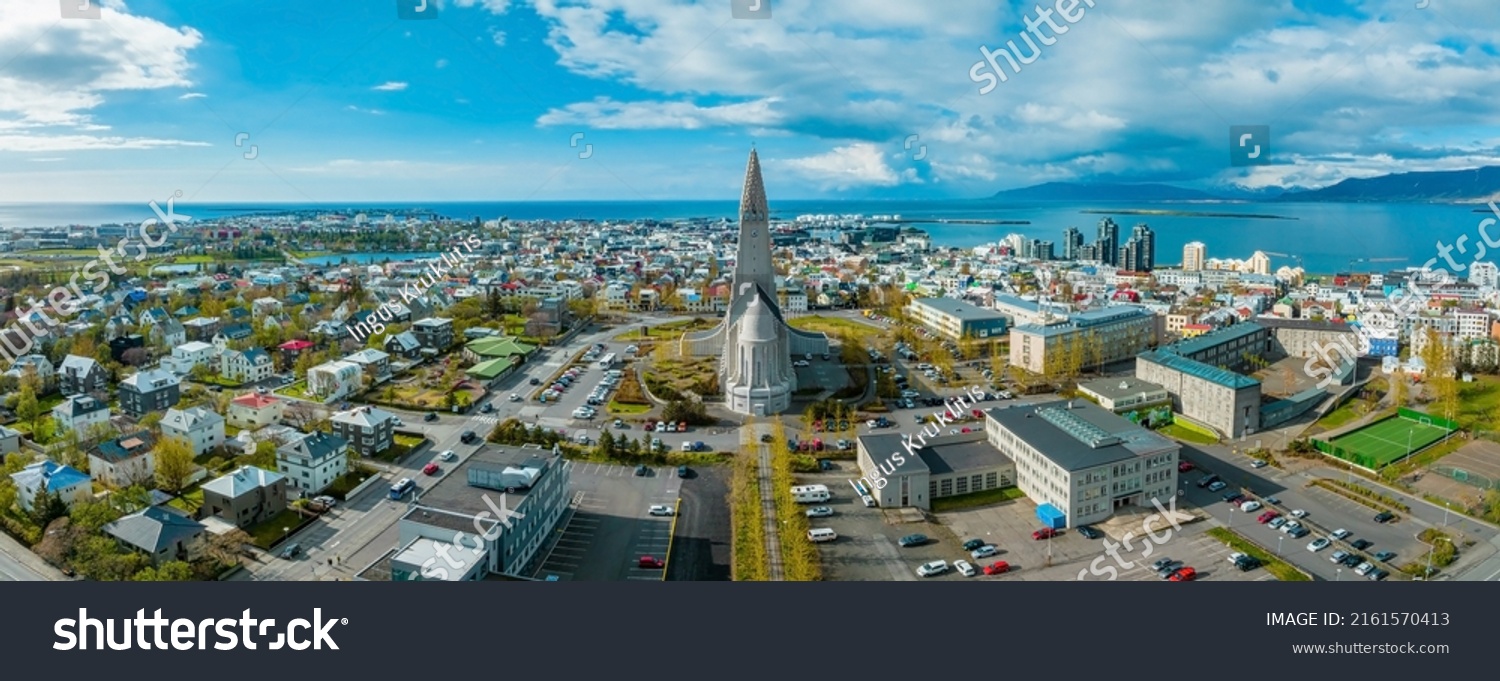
[(1322, 237)]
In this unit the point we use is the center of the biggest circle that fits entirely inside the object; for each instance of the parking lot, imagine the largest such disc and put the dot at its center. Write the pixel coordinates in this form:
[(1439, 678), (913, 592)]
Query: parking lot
[(609, 528)]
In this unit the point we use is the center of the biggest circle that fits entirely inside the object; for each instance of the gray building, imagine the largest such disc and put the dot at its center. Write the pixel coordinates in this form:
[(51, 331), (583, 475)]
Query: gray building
[(434, 332), (149, 390), (901, 473), (82, 376), (245, 497), (1083, 460), (956, 319), (1221, 399), (491, 516), (161, 533), (368, 430)]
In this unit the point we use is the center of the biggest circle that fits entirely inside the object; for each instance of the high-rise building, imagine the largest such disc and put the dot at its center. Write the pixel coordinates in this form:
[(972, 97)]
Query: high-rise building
[(754, 343), (1193, 255), (1139, 253), (1072, 243), (1041, 249), (1108, 242)]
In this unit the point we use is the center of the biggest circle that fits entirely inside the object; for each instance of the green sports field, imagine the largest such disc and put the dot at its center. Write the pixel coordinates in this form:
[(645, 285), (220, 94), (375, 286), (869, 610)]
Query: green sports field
[(1386, 441)]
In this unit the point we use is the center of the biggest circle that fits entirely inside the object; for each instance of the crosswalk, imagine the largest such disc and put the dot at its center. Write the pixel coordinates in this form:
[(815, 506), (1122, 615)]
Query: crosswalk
[(486, 418)]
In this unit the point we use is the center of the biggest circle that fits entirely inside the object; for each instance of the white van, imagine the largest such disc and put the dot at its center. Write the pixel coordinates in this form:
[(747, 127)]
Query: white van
[(819, 534), (869, 500)]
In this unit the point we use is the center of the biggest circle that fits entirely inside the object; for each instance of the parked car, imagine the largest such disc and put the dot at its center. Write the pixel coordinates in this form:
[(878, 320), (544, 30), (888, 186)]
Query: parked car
[(913, 540), (660, 509), (291, 551), (1267, 517), (651, 562), (819, 512), (326, 500), (1216, 485), (1318, 544), (1161, 563), (1384, 517), (1185, 466), (1339, 533), (1250, 506), (1185, 574), (983, 552), (930, 569), (1299, 513), (1361, 544), (1377, 574), (1338, 556), (430, 417), (965, 568), (1089, 532), (1352, 560), (1045, 533), (1273, 501), (641, 470), (1385, 556), (1276, 523), (1233, 498), (1258, 463), (1299, 532), (1364, 568), (973, 544), (1171, 566), (683, 472), (998, 567)]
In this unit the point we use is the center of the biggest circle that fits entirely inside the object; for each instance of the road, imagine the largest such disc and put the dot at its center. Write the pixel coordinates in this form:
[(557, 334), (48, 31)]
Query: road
[(364, 528), (17, 564)]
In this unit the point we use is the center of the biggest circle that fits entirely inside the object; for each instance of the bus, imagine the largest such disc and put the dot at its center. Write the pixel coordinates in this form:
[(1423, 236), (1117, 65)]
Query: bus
[(401, 487), (607, 361)]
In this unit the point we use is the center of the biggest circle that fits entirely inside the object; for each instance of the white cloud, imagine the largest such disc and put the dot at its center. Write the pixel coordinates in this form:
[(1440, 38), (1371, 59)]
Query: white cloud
[(192, 95), (441, 63), (373, 112), (605, 113), (854, 165), (498, 36), (87, 142), (390, 86)]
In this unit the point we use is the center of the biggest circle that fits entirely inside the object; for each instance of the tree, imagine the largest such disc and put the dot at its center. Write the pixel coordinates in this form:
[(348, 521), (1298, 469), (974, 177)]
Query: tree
[(27, 407), (47, 506), (606, 445), (92, 515), (170, 571), (174, 463), (134, 357), (100, 558)]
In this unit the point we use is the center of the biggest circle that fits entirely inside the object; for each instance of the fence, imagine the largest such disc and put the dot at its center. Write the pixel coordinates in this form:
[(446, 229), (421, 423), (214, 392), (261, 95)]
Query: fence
[(1362, 460), (1427, 419)]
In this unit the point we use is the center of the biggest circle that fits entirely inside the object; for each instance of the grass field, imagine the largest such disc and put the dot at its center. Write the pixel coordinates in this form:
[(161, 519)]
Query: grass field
[(1389, 440)]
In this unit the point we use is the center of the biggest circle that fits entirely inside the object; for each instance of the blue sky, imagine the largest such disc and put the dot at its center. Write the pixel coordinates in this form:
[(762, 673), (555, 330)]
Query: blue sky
[(339, 100)]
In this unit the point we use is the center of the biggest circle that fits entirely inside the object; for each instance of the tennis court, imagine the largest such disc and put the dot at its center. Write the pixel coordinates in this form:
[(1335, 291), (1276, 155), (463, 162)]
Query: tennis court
[(1382, 442)]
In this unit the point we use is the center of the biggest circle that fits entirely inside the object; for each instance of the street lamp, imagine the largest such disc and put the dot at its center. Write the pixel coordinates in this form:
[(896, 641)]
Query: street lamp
[(1446, 506), (1428, 574), (1278, 543), (1338, 574)]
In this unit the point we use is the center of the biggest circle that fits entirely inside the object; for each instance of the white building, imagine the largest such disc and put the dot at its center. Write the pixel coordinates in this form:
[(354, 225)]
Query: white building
[(54, 478), (334, 380), (248, 366), (1193, 256), (253, 411), (313, 462), (202, 428), (80, 413), (188, 355), (124, 461)]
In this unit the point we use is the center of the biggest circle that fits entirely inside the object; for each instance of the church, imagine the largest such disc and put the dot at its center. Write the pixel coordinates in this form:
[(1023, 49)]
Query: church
[(754, 343)]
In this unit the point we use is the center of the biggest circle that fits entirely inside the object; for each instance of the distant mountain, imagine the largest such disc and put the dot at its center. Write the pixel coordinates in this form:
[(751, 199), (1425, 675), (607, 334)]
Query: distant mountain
[(1071, 191), (1459, 186)]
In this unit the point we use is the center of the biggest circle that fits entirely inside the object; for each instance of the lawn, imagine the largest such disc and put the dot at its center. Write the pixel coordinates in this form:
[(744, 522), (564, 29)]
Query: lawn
[(668, 331), (189, 501), (1388, 440), (269, 533), (298, 390), (212, 379), (628, 409), (838, 326), (1181, 433), (192, 260), (1278, 569), (696, 374), (976, 499)]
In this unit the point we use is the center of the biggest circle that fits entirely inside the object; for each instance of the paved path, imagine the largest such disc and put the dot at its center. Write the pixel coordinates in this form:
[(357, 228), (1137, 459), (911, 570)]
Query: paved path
[(17, 564), (768, 513)]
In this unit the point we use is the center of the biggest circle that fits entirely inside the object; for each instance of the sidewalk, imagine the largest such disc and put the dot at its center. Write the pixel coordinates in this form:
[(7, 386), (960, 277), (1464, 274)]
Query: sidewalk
[(39, 569)]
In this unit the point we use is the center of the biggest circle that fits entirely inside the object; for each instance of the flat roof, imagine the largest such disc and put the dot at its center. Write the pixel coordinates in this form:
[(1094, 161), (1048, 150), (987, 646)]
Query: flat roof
[(1120, 440), (1197, 344), (423, 549), (454, 493), (969, 454), (1115, 388), (960, 309), (881, 446)]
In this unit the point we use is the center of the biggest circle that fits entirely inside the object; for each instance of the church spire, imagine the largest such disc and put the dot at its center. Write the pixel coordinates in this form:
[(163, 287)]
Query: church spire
[(753, 200)]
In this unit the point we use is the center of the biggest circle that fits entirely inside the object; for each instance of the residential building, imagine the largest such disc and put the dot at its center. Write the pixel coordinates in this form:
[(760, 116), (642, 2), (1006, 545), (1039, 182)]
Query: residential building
[(50, 477), (956, 319), (45, 372), (1080, 462), (10, 440), (189, 355), (246, 496), (1193, 256), (246, 366), (368, 430), (373, 363), (147, 391), (201, 428), (82, 376), (80, 413), (404, 345), (434, 332), (124, 461), (334, 380), (253, 411), (313, 462), (160, 532), (899, 472)]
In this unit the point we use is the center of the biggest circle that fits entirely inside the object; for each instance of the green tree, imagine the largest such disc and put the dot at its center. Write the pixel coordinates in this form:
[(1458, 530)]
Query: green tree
[(92, 515), (46, 507), (100, 558), (27, 407), (174, 463), (170, 571)]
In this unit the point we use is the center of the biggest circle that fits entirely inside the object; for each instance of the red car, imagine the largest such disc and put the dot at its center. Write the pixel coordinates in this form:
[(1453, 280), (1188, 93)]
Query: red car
[(1185, 466), (430, 469), (1267, 517), (1183, 574), (998, 567), (652, 562), (1045, 533)]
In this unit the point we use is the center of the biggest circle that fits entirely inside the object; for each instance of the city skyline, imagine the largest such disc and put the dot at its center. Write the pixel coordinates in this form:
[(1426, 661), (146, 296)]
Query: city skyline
[(625, 100)]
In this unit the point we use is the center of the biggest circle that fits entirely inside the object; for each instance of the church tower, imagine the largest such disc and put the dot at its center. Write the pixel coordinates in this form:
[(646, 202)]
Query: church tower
[(752, 260)]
